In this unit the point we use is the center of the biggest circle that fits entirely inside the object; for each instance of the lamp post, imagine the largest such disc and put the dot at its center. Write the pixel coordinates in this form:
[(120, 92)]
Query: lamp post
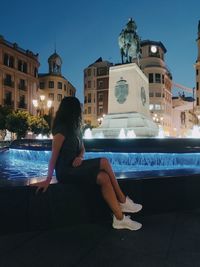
[(40, 105)]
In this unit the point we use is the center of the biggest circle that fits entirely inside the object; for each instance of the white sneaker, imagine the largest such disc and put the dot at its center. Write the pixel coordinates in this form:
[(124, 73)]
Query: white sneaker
[(126, 223), (130, 206)]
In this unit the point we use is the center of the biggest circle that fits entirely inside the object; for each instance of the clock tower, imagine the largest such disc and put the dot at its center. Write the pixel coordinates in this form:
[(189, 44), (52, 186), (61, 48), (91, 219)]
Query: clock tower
[(55, 63)]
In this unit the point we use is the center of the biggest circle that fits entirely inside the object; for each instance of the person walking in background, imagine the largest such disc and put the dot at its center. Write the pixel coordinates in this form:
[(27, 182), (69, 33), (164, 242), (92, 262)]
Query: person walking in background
[(67, 158)]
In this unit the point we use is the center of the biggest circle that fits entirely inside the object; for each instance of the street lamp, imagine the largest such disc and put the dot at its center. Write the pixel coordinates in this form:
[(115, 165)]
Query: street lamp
[(40, 105)]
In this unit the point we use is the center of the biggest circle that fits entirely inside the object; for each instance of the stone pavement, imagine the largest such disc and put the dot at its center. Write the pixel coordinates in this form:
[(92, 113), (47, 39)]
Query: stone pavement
[(166, 240)]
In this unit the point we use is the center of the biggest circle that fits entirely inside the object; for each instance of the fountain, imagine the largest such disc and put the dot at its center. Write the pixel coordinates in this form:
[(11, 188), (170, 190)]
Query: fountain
[(127, 137)]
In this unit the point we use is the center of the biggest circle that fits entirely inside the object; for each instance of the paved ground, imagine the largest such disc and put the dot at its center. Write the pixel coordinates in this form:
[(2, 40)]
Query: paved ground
[(166, 240)]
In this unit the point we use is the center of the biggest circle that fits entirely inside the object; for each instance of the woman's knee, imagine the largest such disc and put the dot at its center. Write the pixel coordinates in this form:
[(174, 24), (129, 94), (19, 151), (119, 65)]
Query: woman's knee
[(103, 178)]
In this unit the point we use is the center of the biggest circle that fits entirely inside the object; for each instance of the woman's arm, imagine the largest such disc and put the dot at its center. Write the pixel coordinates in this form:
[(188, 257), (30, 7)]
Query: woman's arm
[(57, 143), (81, 154), (78, 160)]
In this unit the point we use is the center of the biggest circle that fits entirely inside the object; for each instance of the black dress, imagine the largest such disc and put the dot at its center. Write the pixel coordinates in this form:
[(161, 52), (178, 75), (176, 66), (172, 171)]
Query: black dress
[(65, 173)]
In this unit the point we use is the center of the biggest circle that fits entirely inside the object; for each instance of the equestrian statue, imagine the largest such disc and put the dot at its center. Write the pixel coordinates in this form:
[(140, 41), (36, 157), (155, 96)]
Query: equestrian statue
[(129, 43)]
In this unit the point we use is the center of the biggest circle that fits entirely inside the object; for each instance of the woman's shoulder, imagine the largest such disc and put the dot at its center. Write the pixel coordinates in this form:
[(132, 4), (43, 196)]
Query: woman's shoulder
[(59, 130)]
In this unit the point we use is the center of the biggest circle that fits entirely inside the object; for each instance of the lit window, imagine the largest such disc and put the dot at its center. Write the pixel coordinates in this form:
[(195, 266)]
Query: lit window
[(151, 107)]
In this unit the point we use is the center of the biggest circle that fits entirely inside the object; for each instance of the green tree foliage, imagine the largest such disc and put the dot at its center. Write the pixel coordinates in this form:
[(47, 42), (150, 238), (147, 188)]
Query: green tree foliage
[(4, 111), (38, 125), (17, 122)]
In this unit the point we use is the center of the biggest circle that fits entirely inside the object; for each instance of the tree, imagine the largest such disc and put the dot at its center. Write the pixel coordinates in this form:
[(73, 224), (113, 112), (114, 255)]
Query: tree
[(38, 125), (4, 111), (17, 122)]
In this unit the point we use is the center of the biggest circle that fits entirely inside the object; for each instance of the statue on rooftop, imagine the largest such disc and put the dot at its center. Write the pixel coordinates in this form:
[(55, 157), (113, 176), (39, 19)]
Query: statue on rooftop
[(129, 42)]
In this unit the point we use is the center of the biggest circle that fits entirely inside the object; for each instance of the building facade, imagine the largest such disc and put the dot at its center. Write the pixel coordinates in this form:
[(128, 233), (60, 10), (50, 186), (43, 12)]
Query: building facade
[(183, 116), (152, 63), (96, 84), (197, 69), (18, 76), (53, 85)]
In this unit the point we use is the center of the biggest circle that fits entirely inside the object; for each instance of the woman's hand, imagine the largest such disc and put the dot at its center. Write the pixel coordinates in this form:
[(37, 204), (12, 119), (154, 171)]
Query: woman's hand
[(41, 185), (77, 161)]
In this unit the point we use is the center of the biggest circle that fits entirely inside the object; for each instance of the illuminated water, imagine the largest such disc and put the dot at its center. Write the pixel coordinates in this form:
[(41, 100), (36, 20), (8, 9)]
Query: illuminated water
[(24, 164)]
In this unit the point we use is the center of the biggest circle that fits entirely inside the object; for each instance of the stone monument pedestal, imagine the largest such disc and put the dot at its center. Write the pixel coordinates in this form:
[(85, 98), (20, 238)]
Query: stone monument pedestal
[(128, 104)]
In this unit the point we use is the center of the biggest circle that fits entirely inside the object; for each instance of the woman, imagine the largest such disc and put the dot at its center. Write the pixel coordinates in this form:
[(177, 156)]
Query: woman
[(67, 159)]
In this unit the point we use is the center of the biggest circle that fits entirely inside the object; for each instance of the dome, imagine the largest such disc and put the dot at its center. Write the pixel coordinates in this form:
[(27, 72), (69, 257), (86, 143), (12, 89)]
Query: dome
[(55, 58)]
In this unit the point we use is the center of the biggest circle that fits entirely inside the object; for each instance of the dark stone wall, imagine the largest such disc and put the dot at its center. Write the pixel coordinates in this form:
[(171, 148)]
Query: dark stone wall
[(23, 210)]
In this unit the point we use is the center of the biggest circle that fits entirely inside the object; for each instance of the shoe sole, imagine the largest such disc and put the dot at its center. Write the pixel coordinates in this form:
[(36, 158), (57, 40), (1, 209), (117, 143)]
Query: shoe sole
[(131, 211), (129, 228)]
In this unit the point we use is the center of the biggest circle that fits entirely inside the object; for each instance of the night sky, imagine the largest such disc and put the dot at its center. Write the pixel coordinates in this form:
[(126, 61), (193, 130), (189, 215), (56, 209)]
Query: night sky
[(85, 30)]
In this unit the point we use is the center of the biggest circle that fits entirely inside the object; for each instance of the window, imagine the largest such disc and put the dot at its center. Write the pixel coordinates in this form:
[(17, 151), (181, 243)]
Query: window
[(85, 100), (150, 77), (51, 84), (89, 84), (8, 96), (100, 85), (65, 87), (89, 72), (8, 61), (35, 72), (59, 97), (158, 94), (197, 85), (22, 103), (163, 79), (157, 107), (197, 101), (100, 97), (59, 85), (51, 96), (42, 85), (8, 80), (8, 99), (22, 84), (89, 98), (102, 71), (151, 107), (100, 109), (197, 72), (151, 94), (157, 78), (22, 66), (89, 110)]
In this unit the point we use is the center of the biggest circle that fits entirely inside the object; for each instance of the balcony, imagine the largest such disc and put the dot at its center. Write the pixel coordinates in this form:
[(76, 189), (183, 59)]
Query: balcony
[(22, 87), (22, 105), (8, 83), (8, 103)]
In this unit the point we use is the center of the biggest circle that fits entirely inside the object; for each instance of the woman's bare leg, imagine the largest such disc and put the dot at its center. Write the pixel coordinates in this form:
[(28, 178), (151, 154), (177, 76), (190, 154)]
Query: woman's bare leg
[(105, 166), (108, 193)]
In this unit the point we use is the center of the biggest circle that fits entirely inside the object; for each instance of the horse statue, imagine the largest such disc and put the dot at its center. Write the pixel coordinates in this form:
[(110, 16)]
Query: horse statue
[(129, 42)]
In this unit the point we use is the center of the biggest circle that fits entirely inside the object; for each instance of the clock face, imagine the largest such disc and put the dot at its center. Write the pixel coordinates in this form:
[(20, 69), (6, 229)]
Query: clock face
[(153, 49), (143, 96)]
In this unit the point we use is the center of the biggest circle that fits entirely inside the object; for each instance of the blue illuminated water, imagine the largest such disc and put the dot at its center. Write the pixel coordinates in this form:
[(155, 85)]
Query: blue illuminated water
[(23, 164)]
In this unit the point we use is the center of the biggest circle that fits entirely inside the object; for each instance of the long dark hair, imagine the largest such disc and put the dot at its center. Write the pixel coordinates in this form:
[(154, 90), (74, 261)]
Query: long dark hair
[(68, 115)]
